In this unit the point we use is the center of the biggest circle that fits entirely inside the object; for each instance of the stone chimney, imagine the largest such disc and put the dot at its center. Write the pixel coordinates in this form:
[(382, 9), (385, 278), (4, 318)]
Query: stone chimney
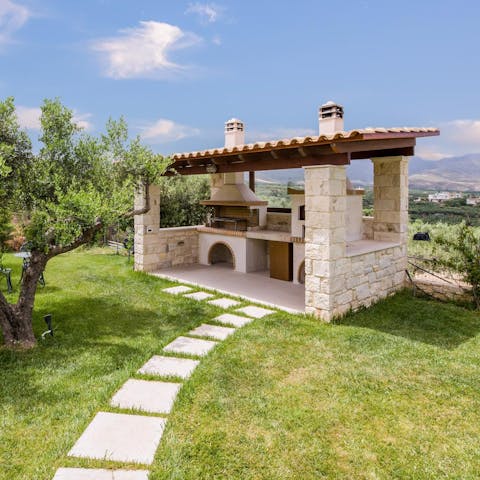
[(330, 118), (234, 133)]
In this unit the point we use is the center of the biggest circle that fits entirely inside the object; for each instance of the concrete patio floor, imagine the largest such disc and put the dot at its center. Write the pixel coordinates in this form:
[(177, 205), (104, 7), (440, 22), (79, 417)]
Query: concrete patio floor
[(256, 287)]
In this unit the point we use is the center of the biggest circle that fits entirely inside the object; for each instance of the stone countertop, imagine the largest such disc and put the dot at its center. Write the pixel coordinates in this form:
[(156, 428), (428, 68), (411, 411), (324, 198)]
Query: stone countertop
[(360, 247)]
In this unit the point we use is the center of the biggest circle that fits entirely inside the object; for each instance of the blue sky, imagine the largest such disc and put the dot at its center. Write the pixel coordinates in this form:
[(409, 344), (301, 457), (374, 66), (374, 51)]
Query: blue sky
[(177, 69)]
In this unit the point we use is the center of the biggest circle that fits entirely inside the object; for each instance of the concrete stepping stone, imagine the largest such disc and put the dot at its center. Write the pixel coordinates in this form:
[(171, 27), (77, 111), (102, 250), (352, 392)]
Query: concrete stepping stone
[(169, 367), (255, 312), (199, 295), (231, 319), (190, 346), (120, 437), (154, 397), (177, 290), (99, 474), (224, 302), (213, 331)]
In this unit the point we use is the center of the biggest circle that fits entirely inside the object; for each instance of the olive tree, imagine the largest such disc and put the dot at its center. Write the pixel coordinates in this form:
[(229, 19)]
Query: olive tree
[(74, 186)]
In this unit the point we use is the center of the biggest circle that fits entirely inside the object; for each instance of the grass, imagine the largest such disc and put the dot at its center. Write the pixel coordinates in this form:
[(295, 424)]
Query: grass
[(389, 392)]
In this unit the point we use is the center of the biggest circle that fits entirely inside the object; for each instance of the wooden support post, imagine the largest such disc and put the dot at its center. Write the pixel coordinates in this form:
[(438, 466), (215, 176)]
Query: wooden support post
[(251, 181)]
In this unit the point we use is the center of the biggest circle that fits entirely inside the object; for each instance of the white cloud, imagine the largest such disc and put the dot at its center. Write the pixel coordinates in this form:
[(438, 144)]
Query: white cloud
[(457, 137), (279, 134), (216, 40), (12, 17), (207, 12), (144, 51), (29, 117), (164, 130)]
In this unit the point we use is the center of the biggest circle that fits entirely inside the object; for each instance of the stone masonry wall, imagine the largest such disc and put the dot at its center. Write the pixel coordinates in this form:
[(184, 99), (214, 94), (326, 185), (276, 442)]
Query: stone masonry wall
[(368, 228), (279, 222), (169, 247)]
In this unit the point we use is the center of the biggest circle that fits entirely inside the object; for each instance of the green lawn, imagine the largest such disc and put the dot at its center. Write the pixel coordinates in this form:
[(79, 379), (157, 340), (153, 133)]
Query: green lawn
[(389, 392)]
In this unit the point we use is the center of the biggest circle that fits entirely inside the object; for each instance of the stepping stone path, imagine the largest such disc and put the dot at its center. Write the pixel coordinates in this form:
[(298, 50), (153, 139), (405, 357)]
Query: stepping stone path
[(218, 333), (99, 474), (155, 397), (190, 346), (199, 295), (120, 437), (169, 367), (134, 438), (177, 290), (231, 319), (224, 302), (255, 312)]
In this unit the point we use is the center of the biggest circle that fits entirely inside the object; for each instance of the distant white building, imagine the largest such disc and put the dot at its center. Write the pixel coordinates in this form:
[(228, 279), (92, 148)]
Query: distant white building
[(440, 197), (473, 201)]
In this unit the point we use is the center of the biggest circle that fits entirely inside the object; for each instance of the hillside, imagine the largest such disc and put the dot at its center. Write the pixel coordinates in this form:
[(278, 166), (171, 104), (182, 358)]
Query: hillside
[(452, 173)]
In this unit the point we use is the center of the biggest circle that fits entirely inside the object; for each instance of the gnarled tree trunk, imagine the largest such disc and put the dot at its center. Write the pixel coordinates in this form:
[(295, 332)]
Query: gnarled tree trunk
[(16, 319)]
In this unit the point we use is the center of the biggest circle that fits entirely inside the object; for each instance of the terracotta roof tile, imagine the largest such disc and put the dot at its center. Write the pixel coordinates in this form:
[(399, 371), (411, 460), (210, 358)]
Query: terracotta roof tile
[(308, 140)]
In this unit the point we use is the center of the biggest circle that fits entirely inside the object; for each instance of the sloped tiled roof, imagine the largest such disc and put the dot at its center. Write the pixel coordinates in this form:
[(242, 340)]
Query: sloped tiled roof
[(352, 135)]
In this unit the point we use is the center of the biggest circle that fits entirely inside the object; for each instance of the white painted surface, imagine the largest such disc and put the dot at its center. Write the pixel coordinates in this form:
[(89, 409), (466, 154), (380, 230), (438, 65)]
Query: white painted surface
[(250, 254), (147, 396), (255, 312), (99, 474), (231, 319), (224, 302), (120, 437), (190, 346), (169, 366), (177, 290), (212, 331), (297, 224)]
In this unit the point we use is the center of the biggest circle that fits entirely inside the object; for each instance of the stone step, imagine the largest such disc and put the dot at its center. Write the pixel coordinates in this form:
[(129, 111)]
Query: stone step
[(146, 396), (120, 437), (199, 295), (177, 290), (190, 346), (231, 319), (169, 367), (224, 302), (212, 331), (255, 312)]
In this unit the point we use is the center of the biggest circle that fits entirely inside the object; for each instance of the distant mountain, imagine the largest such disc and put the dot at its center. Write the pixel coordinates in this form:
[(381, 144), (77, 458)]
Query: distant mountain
[(452, 173)]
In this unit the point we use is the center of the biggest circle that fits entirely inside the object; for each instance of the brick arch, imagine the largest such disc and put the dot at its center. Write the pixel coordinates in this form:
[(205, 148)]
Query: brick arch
[(301, 273), (229, 248)]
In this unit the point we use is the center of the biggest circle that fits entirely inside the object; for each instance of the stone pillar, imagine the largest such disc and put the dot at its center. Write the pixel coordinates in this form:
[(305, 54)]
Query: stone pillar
[(325, 231), (390, 188), (147, 253)]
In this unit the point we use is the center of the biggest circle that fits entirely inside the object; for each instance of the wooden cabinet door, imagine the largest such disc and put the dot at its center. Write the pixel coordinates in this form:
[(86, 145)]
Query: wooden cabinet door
[(281, 260)]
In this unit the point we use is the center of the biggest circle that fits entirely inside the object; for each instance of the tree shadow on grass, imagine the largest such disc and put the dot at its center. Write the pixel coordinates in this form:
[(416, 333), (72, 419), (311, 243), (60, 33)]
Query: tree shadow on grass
[(440, 324), (93, 337)]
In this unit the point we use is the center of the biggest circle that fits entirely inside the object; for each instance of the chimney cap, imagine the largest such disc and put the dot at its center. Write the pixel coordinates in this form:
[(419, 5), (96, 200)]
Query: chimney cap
[(234, 120)]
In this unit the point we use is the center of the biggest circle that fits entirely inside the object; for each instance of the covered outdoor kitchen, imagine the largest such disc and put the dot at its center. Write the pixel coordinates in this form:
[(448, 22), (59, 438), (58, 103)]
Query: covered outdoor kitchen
[(322, 257)]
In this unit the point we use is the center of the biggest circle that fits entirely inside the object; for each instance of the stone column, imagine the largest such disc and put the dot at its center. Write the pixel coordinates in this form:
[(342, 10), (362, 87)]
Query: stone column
[(390, 186), (147, 245), (325, 230)]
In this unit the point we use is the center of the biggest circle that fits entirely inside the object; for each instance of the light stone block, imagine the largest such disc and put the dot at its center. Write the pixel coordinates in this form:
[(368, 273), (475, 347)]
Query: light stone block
[(199, 295), (169, 367), (224, 302), (120, 437), (255, 312), (213, 331), (177, 290), (147, 396), (99, 474), (190, 346), (235, 320)]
